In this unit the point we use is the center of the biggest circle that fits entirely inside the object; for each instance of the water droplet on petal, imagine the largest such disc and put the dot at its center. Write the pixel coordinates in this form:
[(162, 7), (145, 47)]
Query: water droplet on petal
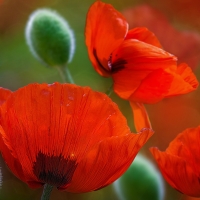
[(71, 98)]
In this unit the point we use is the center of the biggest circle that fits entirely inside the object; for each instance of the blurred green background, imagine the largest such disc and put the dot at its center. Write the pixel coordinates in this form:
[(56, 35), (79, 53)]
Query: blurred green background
[(18, 68)]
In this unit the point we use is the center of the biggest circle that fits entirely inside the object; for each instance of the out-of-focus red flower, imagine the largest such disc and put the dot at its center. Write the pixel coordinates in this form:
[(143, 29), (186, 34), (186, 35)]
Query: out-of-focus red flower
[(142, 71), (173, 115), (182, 11), (180, 162), (183, 44), (52, 134)]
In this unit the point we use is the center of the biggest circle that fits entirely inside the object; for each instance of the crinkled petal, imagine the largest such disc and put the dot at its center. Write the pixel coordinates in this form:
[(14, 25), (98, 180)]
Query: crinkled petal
[(11, 161), (107, 161), (105, 30)]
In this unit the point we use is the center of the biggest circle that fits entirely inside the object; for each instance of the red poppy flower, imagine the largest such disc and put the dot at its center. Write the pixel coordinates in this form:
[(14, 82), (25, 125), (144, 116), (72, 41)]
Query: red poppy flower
[(142, 71), (180, 162), (66, 136), (181, 11)]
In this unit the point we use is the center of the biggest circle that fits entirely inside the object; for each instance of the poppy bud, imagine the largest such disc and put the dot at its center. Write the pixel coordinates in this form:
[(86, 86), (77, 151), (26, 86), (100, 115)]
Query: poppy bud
[(140, 181), (50, 38)]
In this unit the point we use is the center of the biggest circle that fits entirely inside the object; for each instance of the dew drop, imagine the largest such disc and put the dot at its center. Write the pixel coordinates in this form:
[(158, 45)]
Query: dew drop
[(71, 98), (51, 84), (45, 92)]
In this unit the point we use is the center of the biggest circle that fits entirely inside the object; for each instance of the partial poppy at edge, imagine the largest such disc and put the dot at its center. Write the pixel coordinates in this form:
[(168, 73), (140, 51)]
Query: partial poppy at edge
[(180, 162)]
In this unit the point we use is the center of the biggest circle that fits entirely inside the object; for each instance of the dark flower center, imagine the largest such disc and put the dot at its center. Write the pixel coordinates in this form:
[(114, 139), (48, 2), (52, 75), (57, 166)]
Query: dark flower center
[(117, 65), (113, 67), (54, 170)]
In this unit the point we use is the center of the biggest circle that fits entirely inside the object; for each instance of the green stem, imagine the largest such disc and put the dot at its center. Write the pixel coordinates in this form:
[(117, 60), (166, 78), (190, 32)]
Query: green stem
[(69, 76), (65, 74), (109, 90), (46, 192)]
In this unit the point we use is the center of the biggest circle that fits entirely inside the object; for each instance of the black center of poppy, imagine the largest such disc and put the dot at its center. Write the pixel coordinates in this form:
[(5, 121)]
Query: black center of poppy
[(54, 170), (117, 65), (114, 67)]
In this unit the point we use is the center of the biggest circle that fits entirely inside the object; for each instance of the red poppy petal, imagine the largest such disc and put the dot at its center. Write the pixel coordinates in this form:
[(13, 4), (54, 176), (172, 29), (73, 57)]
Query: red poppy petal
[(57, 119), (144, 35), (177, 172), (141, 118), (105, 30), (153, 88), (165, 83), (12, 162), (184, 81), (107, 161), (11, 159), (139, 55), (181, 146), (133, 61), (4, 94)]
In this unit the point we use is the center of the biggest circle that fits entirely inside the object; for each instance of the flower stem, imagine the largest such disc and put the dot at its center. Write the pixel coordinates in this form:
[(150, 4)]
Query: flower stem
[(65, 74), (68, 75), (109, 90), (46, 192)]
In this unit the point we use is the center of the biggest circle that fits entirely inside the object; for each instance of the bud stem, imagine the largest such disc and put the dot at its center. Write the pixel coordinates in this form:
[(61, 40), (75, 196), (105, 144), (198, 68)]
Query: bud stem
[(109, 90), (46, 192), (68, 75), (65, 74)]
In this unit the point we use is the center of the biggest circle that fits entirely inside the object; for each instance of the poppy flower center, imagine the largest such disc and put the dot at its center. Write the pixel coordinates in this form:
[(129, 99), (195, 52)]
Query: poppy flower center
[(117, 65), (54, 170), (113, 67)]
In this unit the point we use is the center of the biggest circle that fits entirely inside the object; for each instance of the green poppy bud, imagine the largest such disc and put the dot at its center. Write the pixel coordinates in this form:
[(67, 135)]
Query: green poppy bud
[(142, 181), (50, 38)]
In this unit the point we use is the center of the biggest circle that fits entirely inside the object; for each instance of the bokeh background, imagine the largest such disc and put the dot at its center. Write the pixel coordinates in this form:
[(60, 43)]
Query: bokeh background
[(175, 22)]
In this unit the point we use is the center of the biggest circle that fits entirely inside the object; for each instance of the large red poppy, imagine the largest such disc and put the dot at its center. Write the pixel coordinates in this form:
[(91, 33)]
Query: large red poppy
[(180, 163), (67, 136), (142, 71)]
